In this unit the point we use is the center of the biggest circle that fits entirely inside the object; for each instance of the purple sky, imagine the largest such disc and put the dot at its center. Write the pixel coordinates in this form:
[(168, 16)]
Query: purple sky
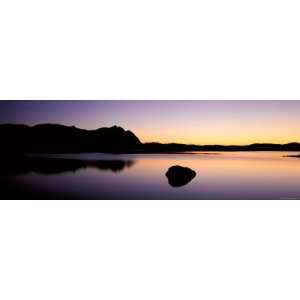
[(199, 122)]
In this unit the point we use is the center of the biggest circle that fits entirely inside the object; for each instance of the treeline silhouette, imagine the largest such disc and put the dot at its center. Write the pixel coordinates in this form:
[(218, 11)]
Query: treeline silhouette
[(55, 138)]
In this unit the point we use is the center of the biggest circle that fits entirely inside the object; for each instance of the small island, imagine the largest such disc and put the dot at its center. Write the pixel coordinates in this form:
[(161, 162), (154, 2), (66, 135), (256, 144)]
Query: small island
[(296, 156)]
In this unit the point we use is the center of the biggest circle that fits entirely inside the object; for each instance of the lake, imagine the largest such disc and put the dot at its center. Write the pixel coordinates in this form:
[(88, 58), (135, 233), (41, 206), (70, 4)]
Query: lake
[(221, 175)]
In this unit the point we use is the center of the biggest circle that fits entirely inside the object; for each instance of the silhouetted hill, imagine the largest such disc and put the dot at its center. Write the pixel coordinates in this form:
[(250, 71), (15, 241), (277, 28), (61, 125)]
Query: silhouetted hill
[(158, 148), (55, 138), (51, 138)]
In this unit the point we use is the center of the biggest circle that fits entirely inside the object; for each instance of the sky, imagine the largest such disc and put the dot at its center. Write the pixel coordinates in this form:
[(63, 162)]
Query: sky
[(191, 122)]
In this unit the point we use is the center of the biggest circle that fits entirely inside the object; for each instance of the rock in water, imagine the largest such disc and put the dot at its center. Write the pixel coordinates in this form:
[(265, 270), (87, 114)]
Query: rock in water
[(179, 176)]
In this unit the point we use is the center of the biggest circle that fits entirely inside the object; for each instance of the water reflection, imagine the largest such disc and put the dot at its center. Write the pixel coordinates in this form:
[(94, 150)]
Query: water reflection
[(48, 166), (230, 175)]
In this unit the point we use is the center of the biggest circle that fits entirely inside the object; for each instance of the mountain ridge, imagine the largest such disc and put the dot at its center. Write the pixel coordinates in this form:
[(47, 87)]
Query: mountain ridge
[(58, 138)]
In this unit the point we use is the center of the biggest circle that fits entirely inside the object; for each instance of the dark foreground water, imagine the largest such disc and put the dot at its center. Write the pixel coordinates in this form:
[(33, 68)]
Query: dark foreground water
[(226, 175)]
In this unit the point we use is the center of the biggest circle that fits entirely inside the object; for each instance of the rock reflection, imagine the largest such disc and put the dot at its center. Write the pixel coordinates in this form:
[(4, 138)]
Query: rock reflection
[(179, 176)]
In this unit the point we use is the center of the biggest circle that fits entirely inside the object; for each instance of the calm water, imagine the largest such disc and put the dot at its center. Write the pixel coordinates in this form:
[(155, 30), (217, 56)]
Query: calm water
[(222, 175)]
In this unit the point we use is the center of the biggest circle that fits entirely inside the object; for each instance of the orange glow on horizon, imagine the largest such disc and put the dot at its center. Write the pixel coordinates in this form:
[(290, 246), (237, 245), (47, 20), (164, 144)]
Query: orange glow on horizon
[(232, 137)]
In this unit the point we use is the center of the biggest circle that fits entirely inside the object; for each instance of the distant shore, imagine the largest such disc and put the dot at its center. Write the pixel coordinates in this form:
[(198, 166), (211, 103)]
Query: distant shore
[(56, 138)]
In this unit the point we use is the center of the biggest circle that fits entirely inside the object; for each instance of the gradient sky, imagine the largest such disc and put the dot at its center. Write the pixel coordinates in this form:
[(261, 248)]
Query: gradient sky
[(195, 122)]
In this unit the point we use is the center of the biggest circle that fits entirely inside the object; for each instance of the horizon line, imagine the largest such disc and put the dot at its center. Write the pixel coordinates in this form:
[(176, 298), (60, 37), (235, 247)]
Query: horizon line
[(154, 142)]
